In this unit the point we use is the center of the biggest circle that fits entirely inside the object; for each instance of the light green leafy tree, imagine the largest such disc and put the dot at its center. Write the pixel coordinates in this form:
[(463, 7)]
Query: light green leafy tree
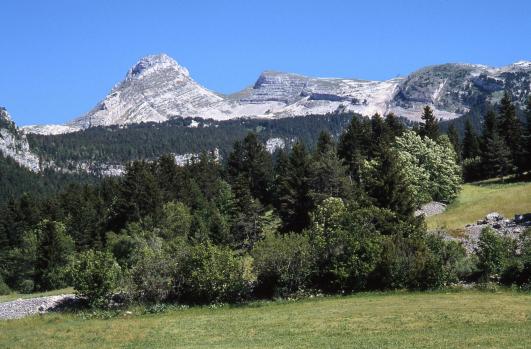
[(429, 166)]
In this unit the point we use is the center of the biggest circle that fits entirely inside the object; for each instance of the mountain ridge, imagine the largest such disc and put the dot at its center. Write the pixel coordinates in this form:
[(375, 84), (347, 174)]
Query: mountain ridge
[(157, 89)]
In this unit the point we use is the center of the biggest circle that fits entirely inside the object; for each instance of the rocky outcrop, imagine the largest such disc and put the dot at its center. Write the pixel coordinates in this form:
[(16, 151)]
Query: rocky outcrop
[(510, 228), (14, 144)]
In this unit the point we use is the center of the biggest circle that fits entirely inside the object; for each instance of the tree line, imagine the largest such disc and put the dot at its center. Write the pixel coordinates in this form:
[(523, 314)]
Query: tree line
[(503, 146), (337, 217)]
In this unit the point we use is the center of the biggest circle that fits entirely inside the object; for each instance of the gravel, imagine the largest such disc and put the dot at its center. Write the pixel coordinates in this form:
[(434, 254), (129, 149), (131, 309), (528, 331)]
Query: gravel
[(25, 307), (431, 209)]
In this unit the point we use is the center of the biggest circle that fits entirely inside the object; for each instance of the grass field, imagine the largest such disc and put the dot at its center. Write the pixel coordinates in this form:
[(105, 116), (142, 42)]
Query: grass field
[(476, 200), (463, 319), (13, 296)]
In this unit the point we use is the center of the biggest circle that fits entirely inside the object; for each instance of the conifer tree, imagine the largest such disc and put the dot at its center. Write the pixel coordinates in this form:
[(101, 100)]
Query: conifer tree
[(328, 174), (394, 126), (139, 196), (251, 159), (295, 202), (470, 142), (54, 248), (430, 126), (528, 135), (453, 136), (388, 186), (353, 147), (510, 128), (496, 157)]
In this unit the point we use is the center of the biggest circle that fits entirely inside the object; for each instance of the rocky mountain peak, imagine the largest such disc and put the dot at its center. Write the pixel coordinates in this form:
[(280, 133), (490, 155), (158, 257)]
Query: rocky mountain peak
[(155, 63)]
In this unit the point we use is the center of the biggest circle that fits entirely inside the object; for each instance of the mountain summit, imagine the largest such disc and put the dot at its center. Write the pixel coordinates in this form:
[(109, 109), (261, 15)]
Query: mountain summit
[(157, 89)]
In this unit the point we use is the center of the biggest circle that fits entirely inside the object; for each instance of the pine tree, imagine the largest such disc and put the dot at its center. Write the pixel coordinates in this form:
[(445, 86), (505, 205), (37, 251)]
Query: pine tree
[(139, 196), (387, 185), (353, 147), (528, 135), (382, 136), (251, 159), (54, 248), (328, 174), (470, 142), (496, 157), (324, 143), (510, 128), (167, 177), (453, 136), (430, 126), (295, 202), (394, 125)]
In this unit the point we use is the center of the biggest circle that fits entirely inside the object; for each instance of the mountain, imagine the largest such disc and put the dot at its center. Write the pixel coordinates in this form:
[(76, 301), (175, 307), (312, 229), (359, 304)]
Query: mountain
[(158, 89)]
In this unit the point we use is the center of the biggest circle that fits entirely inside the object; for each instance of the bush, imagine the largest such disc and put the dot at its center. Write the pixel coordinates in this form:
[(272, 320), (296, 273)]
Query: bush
[(518, 268), (283, 264), (212, 274), (151, 278), (408, 263), (347, 246), (95, 275), (451, 259), (26, 286), (492, 254), (4, 289)]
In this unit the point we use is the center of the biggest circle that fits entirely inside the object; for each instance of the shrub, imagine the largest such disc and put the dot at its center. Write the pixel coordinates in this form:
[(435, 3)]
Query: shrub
[(408, 263), (518, 267), (95, 275), (347, 246), (451, 259), (283, 264), (492, 254), (176, 220), (4, 289), (215, 274), (26, 286), (151, 277)]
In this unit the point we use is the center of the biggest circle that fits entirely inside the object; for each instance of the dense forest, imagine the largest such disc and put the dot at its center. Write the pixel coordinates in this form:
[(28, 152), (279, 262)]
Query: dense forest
[(119, 144), (335, 217)]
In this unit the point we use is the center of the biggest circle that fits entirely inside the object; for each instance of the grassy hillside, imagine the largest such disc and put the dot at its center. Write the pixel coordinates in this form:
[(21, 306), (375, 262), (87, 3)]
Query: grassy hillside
[(476, 200), (390, 320)]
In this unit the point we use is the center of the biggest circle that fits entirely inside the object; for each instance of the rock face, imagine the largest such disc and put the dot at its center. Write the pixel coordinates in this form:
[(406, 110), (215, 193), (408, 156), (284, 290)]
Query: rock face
[(14, 144), (157, 89)]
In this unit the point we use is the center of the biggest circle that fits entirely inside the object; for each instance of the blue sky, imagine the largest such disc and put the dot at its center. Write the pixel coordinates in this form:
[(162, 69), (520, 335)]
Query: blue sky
[(59, 58)]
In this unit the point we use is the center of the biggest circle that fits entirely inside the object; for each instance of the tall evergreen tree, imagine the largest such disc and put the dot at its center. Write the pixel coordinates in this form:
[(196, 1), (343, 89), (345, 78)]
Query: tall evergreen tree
[(430, 126), (496, 157), (296, 202), (251, 159), (328, 174), (453, 136), (139, 196), (470, 142), (394, 125), (53, 249), (510, 128), (387, 185), (528, 135), (353, 147)]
